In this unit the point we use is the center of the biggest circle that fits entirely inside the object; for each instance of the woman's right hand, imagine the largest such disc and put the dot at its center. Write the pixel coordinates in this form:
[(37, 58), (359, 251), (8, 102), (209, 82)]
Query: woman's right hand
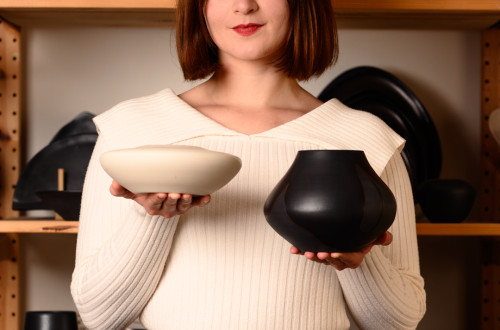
[(164, 204)]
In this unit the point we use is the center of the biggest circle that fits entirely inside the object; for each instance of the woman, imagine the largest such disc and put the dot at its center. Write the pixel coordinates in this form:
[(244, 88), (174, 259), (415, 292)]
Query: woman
[(178, 265)]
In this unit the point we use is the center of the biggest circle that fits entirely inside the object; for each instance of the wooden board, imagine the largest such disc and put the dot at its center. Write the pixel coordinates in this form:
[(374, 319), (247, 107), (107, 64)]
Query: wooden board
[(10, 131), (489, 193), (388, 14)]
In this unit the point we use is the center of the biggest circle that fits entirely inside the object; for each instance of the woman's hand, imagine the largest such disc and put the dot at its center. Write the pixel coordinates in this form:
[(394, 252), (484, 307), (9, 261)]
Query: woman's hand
[(164, 204), (343, 260)]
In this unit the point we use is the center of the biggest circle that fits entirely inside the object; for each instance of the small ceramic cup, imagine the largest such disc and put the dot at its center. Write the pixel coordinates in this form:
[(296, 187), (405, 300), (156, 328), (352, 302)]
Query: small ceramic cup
[(50, 320)]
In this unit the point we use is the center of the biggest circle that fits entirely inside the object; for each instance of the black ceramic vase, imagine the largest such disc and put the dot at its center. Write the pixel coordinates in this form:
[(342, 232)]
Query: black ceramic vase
[(330, 201)]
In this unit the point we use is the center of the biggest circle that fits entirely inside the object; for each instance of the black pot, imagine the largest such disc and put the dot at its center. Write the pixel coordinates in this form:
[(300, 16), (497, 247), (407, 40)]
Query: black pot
[(330, 200), (446, 200), (50, 320)]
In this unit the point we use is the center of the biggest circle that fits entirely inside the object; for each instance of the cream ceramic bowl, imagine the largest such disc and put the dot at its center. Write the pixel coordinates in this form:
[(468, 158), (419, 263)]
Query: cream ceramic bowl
[(170, 168)]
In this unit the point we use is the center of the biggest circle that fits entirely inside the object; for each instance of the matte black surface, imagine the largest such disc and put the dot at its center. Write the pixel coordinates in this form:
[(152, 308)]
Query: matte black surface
[(446, 200), (72, 154), (330, 200), (70, 149), (65, 203), (81, 124)]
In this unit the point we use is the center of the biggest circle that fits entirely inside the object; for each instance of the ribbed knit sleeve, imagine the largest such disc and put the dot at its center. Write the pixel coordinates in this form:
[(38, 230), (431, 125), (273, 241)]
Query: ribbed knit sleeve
[(387, 291), (121, 252)]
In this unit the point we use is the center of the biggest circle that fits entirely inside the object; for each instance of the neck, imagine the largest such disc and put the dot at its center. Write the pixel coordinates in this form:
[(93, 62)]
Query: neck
[(252, 88)]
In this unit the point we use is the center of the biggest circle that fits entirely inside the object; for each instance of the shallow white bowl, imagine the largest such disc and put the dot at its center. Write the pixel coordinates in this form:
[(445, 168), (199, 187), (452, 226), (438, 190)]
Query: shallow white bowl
[(170, 168)]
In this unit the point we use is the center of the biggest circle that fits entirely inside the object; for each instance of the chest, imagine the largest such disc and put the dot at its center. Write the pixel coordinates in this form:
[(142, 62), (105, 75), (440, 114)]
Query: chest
[(248, 121)]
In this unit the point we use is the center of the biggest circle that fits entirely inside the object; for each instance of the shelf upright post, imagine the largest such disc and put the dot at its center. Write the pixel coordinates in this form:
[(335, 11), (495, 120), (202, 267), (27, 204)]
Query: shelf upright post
[(10, 125), (490, 181)]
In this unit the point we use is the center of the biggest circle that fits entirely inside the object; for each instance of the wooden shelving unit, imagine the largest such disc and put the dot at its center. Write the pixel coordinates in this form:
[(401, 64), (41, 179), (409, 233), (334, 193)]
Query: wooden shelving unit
[(426, 14), (479, 15), (30, 226)]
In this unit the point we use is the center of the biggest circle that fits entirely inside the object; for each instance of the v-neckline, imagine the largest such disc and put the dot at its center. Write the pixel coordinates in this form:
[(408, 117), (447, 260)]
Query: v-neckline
[(214, 123)]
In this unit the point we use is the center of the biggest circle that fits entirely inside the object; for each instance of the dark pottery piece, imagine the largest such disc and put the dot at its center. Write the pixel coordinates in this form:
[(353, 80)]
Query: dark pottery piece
[(65, 203), (330, 200), (81, 124), (70, 149), (50, 320), (72, 154), (381, 93), (446, 200)]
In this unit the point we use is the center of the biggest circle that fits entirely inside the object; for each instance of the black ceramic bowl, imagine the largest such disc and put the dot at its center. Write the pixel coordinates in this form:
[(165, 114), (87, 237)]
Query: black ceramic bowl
[(65, 203), (330, 200), (446, 200), (50, 320)]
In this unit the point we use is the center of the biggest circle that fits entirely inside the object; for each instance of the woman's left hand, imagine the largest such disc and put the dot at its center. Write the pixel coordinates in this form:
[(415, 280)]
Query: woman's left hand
[(343, 260)]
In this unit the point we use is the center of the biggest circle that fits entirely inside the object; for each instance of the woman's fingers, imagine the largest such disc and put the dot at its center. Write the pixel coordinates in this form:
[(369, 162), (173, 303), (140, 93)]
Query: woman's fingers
[(164, 204), (201, 200), (184, 203), (119, 191), (171, 204), (338, 260)]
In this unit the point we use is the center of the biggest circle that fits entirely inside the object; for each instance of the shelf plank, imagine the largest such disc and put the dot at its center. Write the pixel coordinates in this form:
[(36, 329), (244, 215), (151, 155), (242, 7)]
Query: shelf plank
[(423, 5), (421, 14), (38, 226), (423, 229), (458, 229), (427, 5), (82, 4)]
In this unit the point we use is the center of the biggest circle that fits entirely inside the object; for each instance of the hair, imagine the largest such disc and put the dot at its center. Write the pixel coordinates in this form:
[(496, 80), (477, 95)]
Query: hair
[(309, 49)]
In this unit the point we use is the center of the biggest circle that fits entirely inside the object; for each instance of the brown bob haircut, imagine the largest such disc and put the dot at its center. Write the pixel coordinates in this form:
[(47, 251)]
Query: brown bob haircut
[(310, 48)]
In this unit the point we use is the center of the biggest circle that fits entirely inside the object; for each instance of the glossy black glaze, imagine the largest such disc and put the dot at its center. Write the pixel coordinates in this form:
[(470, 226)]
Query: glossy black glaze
[(330, 200)]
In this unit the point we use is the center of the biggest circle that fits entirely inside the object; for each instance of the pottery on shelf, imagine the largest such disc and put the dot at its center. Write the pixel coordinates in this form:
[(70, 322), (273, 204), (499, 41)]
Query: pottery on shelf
[(170, 168), (330, 200), (446, 200), (50, 320), (65, 203)]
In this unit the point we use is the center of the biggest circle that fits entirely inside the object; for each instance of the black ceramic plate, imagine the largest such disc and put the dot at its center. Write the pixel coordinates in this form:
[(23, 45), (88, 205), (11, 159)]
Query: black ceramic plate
[(381, 93), (72, 154)]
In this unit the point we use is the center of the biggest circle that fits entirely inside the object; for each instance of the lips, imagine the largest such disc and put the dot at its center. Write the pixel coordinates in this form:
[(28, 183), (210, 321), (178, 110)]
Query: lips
[(247, 29)]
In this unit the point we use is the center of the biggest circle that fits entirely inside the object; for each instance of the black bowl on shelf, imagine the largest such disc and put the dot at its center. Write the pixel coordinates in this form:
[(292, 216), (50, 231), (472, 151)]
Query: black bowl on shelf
[(48, 320), (65, 203), (446, 200)]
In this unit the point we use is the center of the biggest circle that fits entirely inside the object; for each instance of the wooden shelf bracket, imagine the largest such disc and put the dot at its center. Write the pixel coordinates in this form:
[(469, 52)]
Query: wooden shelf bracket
[(10, 125), (490, 182)]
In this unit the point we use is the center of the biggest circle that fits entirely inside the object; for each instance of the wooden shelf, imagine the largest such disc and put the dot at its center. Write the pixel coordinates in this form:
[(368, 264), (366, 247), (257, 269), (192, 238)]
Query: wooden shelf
[(38, 226), (423, 229), (458, 229), (421, 14)]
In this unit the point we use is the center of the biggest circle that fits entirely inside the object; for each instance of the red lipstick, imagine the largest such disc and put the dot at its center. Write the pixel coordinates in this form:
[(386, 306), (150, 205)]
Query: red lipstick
[(246, 29)]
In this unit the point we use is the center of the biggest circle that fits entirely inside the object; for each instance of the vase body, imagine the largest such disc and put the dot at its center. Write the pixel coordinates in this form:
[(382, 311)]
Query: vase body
[(330, 201)]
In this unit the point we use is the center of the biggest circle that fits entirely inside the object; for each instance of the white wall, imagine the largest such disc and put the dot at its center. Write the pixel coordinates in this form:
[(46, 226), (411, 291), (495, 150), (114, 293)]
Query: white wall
[(90, 69)]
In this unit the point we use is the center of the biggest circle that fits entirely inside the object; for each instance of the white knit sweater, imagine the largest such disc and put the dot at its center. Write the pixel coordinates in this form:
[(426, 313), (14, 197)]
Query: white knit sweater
[(222, 266)]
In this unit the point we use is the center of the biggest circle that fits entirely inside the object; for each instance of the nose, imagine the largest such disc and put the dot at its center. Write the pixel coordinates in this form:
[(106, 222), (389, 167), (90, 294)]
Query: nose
[(245, 6)]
